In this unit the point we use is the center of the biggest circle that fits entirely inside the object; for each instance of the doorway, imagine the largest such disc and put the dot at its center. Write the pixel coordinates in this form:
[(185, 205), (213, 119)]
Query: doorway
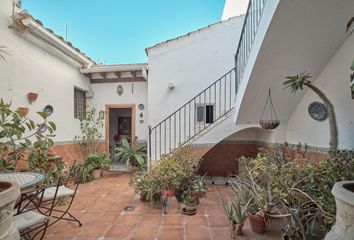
[(120, 124)]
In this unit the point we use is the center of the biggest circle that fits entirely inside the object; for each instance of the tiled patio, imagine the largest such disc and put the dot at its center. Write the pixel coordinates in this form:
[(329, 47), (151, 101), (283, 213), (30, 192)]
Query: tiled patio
[(99, 205)]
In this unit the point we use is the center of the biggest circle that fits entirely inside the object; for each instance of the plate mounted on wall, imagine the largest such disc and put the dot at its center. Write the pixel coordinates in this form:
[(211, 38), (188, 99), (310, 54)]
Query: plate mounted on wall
[(48, 110), (317, 111)]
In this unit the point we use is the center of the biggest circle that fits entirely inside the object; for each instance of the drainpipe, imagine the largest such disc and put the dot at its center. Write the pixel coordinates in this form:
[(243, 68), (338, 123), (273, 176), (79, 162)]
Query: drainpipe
[(44, 34)]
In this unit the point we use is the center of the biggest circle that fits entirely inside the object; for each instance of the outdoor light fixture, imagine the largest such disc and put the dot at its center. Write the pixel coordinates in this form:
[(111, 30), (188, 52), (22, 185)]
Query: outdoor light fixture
[(171, 85), (120, 90)]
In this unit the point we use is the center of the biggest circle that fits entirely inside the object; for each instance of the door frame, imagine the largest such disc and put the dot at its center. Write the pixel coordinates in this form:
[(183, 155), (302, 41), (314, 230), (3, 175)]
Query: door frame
[(111, 106)]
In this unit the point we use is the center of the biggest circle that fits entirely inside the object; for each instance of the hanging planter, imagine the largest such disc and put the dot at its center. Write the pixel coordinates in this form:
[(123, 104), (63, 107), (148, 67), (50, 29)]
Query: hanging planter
[(273, 122)]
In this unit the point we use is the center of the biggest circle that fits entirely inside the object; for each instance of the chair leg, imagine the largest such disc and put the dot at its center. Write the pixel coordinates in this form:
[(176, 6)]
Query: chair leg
[(62, 217)]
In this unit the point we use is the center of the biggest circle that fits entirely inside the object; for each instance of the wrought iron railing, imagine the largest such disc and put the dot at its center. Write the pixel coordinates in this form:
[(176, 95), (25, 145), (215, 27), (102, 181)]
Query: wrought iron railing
[(211, 104), (193, 117), (248, 34)]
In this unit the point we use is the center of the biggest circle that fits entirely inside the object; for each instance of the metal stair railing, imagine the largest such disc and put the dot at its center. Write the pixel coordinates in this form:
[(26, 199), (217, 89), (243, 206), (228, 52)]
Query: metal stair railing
[(193, 117), (211, 104)]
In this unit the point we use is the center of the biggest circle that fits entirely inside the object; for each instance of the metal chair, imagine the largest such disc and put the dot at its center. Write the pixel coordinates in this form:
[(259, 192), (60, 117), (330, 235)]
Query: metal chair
[(28, 221), (68, 191)]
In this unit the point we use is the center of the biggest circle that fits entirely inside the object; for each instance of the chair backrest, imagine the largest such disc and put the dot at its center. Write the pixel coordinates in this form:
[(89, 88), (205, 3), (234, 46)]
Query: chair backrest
[(29, 200), (75, 174)]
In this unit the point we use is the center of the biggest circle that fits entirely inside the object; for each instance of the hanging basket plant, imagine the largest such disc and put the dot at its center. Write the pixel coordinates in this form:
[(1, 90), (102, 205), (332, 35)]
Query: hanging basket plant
[(273, 122)]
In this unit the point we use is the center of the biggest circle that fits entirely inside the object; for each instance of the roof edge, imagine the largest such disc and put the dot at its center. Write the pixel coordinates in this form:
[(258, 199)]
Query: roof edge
[(160, 44), (35, 27)]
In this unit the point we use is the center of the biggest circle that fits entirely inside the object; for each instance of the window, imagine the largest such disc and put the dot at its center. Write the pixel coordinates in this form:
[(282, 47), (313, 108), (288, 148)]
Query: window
[(79, 103), (205, 113)]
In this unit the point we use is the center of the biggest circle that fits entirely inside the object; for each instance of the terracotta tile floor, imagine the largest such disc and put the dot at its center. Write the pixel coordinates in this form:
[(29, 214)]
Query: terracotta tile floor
[(99, 205)]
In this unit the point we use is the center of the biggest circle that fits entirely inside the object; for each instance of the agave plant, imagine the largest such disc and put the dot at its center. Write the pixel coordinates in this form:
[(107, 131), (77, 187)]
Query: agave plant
[(296, 83), (131, 153), (235, 213)]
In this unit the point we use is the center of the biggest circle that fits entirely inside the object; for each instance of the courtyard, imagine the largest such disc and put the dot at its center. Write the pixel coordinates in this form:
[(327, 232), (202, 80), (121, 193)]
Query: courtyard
[(100, 204)]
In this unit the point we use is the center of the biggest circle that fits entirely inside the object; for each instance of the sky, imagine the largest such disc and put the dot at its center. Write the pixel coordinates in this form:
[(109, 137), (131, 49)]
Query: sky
[(118, 31)]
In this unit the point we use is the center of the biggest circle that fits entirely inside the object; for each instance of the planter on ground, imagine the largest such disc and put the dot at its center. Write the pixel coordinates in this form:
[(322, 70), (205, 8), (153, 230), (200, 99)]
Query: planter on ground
[(344, 227), (9, 192), (258, 223), (97, 173)]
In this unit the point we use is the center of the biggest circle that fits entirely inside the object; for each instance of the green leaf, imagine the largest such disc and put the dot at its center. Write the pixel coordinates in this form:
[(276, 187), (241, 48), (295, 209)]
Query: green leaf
[(33, 125), (52, 125), (43, 115), (3, 133)]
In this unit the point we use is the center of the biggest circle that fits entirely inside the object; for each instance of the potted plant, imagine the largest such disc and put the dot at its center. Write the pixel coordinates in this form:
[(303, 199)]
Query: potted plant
[(141, 182), (96, 162), (190, 203), (153, 192), (236, 216), (170, 174), (131, 153)]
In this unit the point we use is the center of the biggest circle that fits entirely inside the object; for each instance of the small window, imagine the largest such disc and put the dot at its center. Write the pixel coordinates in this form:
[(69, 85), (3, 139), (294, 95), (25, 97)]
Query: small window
[(79, 103), (205, 113)]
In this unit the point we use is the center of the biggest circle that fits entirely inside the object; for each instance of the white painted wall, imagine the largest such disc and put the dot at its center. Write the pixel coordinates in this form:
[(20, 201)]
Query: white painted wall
[(192, 63), (234, 8), (35, 66), (334, 82), (133, 93)]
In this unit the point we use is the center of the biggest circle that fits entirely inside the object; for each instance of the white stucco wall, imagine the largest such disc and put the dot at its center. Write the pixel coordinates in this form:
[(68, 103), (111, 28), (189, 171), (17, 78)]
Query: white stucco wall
[(35, 66), (133, 93), (334, 82), (192, 63), (234, 8)]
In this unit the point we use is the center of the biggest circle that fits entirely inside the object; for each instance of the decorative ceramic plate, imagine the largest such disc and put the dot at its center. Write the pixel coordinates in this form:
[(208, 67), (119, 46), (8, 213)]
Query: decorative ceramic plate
[(48, 110), (317, 111), (141, 107)]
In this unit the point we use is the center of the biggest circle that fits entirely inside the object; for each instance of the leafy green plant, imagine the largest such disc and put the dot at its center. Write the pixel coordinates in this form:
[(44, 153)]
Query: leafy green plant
[(131, 153), (91, 126), (97, 160), (169, 173), (19, 133), (94, 161), (296, 83), (40, 161)]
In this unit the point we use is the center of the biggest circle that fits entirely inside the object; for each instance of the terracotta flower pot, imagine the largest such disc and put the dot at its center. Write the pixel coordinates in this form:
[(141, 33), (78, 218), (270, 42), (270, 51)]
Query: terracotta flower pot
[(238, 229), (258, 223), (143, 198), (96, 173), (235, 229), (32, 96), (23, 111), (134, 169), (170, 193)]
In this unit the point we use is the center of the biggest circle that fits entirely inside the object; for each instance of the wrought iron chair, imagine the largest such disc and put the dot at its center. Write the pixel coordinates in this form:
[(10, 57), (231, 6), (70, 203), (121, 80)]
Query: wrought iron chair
[(28, 221), (62, 191)]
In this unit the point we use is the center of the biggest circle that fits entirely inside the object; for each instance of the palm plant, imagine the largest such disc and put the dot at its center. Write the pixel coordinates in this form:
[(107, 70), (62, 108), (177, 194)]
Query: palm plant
[(296, 83), (131, 153)]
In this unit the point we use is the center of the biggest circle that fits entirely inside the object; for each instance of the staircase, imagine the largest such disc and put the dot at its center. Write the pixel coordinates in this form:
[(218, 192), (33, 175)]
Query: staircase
[(213, 104)]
